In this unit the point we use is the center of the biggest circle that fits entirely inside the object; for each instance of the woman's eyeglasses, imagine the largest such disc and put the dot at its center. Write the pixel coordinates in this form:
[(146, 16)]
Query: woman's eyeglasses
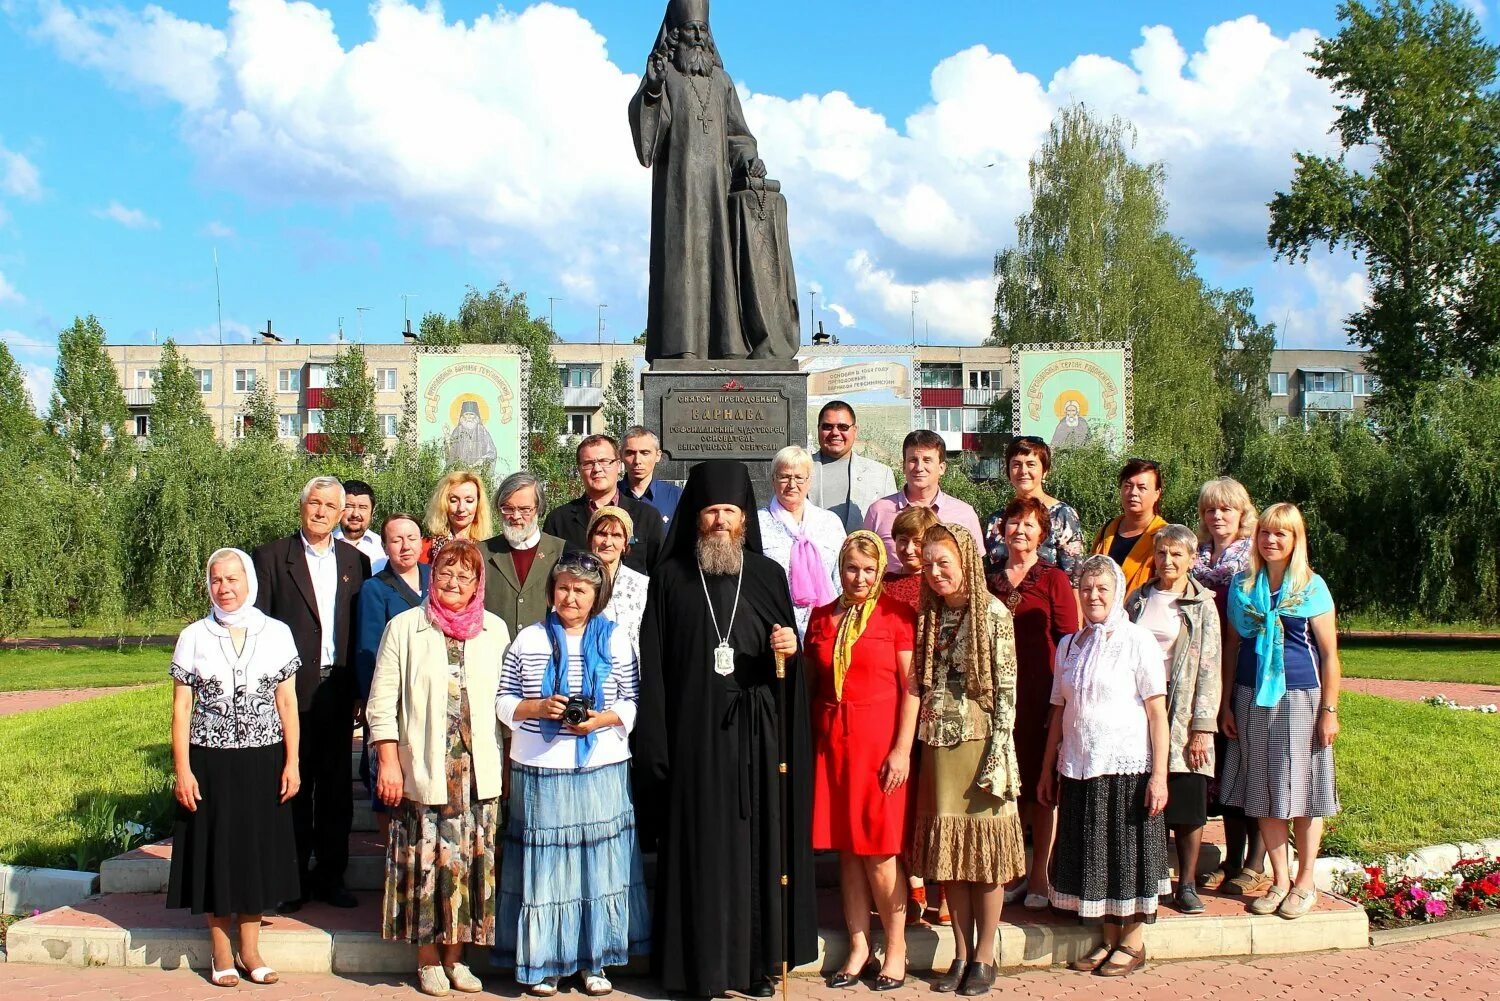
[(451, 577)]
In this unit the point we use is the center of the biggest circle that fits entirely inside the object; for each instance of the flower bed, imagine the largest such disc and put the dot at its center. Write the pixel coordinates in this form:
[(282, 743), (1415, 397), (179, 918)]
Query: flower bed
[(1398, 893)]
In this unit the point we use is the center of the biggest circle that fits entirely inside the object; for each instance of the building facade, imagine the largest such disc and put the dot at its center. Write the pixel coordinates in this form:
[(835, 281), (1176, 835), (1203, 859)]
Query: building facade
[(964, 391)]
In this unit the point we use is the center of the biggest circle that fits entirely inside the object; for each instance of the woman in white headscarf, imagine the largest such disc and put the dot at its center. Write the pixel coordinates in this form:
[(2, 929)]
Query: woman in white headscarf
[(234, 749), (1106, 770)]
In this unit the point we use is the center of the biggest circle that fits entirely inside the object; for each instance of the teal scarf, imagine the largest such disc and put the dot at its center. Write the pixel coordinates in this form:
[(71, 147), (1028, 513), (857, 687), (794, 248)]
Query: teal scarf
[(596, 668), (1254, 617)]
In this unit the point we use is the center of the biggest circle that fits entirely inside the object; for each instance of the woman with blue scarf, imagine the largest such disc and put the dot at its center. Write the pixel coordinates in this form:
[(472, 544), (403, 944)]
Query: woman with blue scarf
[(1283, 716), (572, 894)]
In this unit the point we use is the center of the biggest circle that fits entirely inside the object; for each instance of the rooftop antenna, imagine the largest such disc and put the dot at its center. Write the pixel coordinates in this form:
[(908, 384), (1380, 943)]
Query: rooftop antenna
[(218, 296), (341, 330), (362, 310), (406, 317), (914, 296), (552, 301), (599, 334)]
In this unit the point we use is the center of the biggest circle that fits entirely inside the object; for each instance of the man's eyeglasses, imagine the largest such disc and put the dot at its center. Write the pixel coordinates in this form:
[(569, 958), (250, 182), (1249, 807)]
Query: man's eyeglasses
[(597, 463), (517, 512), (840, 428), (450, 577)]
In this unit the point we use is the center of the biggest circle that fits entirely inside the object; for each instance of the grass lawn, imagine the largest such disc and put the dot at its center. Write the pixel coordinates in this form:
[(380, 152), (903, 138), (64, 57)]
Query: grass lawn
[(74, 774), (130, 626), (1470, 663), (82, 667), (1412, 775)]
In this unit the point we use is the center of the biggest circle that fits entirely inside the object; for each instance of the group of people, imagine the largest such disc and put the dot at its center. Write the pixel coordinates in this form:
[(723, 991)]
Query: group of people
[(847, 667)]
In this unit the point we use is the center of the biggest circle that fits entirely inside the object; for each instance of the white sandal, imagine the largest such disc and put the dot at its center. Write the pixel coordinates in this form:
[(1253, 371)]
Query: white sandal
[(596, 985), (261, 975), (223, 978)]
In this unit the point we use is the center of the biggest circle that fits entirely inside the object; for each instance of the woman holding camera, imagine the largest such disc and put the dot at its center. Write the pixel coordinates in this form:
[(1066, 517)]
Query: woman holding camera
[(572, 892), (438, 746)]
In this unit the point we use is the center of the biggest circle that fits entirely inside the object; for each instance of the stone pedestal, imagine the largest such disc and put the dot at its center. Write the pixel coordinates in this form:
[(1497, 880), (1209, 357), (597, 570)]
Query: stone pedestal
[(747, 410)]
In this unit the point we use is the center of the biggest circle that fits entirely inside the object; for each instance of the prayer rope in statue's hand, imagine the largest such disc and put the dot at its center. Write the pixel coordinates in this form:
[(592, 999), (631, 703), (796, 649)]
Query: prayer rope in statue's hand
[(783, 640)]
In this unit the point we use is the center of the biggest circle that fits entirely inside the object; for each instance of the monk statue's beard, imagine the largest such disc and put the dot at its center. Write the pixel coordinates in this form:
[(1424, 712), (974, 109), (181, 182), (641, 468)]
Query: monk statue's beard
[(517, 536), (723, 555), (694, 60)]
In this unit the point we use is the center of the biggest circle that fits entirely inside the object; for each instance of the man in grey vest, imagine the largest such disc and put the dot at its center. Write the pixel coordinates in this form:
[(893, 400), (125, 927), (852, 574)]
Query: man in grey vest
[(521, 556), (842, 481)]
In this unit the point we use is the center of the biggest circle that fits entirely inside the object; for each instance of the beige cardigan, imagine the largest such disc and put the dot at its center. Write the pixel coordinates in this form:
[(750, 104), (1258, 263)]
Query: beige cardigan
[(408, 703)]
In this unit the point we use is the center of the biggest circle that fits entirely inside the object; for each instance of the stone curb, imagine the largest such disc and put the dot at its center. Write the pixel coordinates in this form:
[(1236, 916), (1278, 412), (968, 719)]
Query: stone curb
[(1434, 857), (26, 888), (1437, 929)]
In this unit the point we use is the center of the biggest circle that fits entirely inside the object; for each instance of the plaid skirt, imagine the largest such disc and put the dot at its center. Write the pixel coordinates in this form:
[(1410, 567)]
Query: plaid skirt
[(1110, 861), (1275, 768)]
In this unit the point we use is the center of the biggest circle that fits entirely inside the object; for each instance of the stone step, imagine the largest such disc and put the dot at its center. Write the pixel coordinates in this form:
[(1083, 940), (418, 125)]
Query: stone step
[(148, 868), (136, 930)]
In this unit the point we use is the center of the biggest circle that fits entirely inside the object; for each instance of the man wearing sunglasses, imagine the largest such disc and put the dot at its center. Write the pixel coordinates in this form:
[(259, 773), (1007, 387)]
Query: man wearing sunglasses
[(599, 468), (843, 481)]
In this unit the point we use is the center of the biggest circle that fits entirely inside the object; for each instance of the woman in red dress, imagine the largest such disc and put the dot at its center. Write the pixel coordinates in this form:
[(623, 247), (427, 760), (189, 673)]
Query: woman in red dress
[(1041, 601), (904, 582), (859, 649)]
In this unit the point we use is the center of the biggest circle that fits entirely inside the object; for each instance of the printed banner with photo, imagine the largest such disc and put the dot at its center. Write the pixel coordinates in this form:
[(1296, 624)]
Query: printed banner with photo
[(1072, 395), (876, 382), (470, 405)]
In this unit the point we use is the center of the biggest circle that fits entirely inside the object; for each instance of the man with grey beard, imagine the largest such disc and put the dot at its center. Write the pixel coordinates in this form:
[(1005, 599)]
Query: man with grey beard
[(521, 557), (689, 129), (712, 724)]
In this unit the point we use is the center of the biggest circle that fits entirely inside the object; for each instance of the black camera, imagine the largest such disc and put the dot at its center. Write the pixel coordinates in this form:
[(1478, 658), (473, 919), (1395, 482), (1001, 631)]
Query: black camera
[(576, 712)]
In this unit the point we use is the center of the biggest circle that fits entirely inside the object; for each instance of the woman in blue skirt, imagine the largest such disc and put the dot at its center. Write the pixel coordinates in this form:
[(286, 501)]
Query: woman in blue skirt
[(572, 894)]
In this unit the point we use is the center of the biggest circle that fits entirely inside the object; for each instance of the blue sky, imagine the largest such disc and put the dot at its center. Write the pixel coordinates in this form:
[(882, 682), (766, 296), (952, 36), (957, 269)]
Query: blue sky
[(337, 155)]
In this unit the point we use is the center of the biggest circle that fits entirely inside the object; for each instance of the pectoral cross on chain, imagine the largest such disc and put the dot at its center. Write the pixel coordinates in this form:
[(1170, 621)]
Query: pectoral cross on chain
[(704, 119), (703, 116)]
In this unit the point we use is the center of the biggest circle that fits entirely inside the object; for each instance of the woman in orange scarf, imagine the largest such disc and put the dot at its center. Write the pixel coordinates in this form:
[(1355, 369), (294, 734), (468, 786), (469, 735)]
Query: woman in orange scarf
[(1130, 539)]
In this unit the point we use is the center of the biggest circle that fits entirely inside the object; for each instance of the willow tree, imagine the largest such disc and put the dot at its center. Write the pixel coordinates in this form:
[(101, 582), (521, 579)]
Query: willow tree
[(1093, 261)]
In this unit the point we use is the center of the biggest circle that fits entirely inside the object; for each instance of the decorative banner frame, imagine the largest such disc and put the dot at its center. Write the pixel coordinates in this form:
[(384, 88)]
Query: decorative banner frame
[(1074, 394), (471, 400)]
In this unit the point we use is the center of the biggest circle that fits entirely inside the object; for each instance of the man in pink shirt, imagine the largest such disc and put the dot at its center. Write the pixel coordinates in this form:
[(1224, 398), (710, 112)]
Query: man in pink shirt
[(924, 458)]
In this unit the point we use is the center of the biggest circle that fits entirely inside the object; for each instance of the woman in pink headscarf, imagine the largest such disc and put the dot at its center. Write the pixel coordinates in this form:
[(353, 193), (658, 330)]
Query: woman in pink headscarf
[(802, 537)]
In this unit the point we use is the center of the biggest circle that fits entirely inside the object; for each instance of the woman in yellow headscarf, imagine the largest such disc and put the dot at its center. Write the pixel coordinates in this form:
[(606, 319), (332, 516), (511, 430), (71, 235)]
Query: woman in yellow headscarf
[(859, 652)]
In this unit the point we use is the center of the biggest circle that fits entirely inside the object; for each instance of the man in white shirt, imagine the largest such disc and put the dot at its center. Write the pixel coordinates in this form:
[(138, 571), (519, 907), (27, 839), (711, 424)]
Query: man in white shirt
[(924, 460), (843, 481), (354, 526)]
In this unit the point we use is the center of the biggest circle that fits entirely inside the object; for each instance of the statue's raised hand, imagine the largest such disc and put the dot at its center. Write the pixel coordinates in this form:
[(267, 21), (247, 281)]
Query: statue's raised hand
[(656, 72)]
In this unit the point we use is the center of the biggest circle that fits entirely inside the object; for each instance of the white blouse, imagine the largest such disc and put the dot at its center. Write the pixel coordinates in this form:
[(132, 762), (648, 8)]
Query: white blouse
[(521, 675), (1104, 728), (827, 533), (627, 603), (234, 694)]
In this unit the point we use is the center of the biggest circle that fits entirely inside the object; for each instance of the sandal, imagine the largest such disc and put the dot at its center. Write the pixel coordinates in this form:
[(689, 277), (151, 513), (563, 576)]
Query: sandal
[(1268, 902), (262, 975), (1247, 882), (223, 978), (1297, 903), (1213, 880), (1137, 961), (1087, 963)]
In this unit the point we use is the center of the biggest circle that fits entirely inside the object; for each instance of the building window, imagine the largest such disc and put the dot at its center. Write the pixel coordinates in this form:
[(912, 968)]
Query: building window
[(289, 426), (581, 376), (288, 380), (142, 425), (578, 422), (944, 418), (244, 380), (146, 378), (315, 422), (317, 377), (205, 380), (241, 422), (942, 376), (1323, 382), (388, 423), (385, 380), (1365, 384), (985, 378), (972, 418), (1276, 382)]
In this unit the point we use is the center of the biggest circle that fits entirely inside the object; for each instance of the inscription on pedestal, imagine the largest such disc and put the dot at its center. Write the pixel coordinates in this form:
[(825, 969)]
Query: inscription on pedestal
[(724, 424)]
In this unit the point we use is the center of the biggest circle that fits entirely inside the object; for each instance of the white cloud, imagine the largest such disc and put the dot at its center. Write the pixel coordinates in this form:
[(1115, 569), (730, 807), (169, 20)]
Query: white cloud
[(25, 342), (19, 177), (216, 230), (8, 292), (129, 218), (1310, 302), (479, 132), (845, 318), (39, 380)]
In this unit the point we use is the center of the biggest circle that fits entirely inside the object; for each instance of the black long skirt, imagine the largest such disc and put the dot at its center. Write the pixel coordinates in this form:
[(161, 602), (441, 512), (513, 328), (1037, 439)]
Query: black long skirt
[(1110, 862), (236, 853)]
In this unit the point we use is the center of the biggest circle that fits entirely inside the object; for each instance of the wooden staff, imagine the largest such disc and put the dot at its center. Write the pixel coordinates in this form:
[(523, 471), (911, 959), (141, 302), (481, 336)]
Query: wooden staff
[(781, 781)]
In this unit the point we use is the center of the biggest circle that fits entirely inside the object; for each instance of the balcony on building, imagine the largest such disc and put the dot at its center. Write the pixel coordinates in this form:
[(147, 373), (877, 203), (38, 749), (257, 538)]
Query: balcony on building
[(1327, 389)]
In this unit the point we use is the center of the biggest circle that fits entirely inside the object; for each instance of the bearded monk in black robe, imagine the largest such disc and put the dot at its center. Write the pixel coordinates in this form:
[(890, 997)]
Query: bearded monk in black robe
[(706, 749)]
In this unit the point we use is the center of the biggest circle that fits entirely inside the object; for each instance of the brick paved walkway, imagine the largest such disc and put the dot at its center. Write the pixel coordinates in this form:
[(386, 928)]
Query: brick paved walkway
[(1463, 966), (20, 702), (1416, 691)]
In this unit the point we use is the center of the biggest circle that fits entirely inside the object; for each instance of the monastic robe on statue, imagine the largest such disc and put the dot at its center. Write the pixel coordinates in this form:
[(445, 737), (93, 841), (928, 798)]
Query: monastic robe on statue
[(693, 136), (705, 751)]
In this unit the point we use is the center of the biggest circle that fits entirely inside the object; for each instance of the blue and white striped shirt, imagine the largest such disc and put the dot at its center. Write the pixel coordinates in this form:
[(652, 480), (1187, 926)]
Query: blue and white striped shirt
[(521, 675)]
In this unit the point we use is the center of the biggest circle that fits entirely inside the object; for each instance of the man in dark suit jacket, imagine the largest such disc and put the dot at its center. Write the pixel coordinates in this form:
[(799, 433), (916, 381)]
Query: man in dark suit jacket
[(310, 581), (521, 557), (598, 464)]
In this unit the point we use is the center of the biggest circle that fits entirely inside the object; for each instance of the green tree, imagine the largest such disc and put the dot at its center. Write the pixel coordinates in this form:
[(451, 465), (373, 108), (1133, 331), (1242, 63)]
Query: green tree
[(19, 426), (88, 408), (350, 425), (177, 410), (260, 414), (1093, 262), (619, 400), (1414, 191)]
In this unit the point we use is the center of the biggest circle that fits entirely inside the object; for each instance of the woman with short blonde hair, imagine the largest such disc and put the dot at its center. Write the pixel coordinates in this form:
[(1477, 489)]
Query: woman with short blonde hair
[(799, 535), (458, 509)]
